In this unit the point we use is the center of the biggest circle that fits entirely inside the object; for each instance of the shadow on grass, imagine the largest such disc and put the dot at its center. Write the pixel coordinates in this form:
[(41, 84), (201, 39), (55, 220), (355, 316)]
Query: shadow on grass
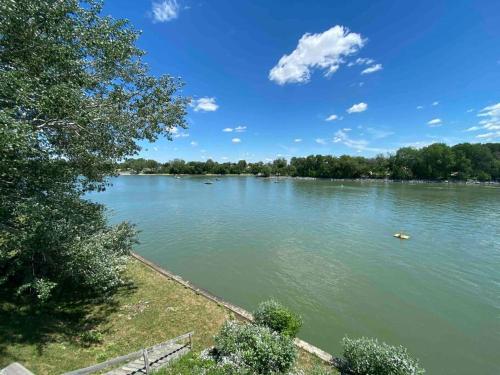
[(63, 319)]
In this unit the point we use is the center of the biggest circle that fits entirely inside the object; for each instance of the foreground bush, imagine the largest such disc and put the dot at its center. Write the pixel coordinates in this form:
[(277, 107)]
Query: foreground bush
[(369, 357), (255, 348), (278, 318), (194, 364)]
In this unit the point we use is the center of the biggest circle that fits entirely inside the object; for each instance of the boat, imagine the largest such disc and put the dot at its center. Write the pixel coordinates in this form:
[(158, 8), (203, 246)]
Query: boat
[(208, 182), (402, 236)]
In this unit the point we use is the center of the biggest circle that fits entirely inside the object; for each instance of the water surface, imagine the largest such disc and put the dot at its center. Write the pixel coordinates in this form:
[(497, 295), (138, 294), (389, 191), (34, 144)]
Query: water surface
[(326, 250)]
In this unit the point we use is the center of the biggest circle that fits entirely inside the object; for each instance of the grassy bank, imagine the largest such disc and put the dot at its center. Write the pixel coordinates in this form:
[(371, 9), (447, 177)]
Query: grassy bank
[(75, 334)]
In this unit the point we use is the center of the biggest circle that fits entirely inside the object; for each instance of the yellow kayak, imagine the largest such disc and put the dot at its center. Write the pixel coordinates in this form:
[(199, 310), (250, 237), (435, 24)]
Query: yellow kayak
[(402, 236)]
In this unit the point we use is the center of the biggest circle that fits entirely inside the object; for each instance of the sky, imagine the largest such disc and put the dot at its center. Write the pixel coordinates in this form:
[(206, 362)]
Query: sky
[(291, 78)]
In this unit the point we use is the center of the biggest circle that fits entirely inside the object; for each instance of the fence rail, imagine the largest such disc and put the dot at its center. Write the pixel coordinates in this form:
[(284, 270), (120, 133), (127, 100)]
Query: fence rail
[(133, 356)]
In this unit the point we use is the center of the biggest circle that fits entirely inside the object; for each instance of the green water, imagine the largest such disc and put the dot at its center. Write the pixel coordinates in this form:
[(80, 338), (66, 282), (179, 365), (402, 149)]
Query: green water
[(326, 250)]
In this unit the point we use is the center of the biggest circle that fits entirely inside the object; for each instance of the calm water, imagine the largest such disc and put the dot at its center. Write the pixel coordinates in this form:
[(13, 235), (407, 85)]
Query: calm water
[(326, 250)]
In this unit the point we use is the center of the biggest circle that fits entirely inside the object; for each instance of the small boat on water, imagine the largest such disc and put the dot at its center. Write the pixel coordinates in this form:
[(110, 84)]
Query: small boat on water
[(402, 236), (208, 182)]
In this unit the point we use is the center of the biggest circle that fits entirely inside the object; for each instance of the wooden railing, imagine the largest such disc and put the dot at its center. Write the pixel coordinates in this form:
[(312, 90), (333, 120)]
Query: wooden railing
[(132, 356)]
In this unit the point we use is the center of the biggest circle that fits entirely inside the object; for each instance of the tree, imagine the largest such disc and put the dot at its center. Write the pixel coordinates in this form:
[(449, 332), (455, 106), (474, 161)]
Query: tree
[(75, 97)]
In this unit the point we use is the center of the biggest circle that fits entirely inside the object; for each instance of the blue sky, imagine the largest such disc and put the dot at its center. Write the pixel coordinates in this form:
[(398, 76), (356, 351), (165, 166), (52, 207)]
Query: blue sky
[(266, 75)]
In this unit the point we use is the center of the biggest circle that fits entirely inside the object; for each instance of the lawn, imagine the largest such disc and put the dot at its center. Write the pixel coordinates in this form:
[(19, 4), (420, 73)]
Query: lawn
[(79, 333)]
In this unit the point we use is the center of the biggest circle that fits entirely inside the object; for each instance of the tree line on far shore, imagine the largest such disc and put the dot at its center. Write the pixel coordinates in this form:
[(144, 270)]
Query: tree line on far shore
[(435, 162)]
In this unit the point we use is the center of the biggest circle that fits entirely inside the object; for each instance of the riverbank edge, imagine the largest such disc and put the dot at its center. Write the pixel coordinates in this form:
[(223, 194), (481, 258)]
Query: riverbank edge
[(242, 313), (368, 180)]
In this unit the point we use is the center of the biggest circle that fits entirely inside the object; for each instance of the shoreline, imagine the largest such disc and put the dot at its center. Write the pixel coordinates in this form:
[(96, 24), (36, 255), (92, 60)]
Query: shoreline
[(368, 180), (241, 312)]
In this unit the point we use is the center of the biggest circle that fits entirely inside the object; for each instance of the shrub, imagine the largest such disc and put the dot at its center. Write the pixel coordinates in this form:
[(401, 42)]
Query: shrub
[(91, 337), (369, 357), (195, 364), (254, 347), (278, 318)]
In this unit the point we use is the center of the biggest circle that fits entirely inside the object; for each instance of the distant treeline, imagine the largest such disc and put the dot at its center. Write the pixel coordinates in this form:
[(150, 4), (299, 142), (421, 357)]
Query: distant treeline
[(435, 162)]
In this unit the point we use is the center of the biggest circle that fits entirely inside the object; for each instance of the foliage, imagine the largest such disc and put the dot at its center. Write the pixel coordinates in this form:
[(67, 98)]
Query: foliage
[(193, 364), (255, 347), (75, 97), (435, 162), (278, 318), (369, 357)]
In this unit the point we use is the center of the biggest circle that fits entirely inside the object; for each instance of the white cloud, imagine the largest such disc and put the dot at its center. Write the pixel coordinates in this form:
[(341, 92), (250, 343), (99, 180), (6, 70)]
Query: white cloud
[(316, 51), (490, 121), (236, 140), (227, 130), (240, 129), (489, 136), (420, 107), (332, 118), (470, 110), (379, 133), (361, 61), (204, 104), (194, 143), (297, 140), (372, 69), (356, 108), (177, 134), (341, 136), (435, 103), (165, 11), (490, 111), (320, 141), (435, 122), (155, 148)]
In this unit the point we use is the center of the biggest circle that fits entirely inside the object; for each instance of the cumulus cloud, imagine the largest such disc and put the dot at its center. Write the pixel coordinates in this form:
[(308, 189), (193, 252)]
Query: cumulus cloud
[(372, 69), (165, 11), (316, 51), (297, 140), (236, 140), (435, 122), (435, 103), (356, 108), (204, 104), (227, 130), (420, 107), (332, 118), (240, 129), (194, 143), (320, 141)]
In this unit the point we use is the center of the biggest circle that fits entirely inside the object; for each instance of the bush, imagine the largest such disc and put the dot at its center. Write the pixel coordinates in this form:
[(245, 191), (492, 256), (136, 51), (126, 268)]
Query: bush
[(254, 347), (195, 364), (278, 318), (369, 357)]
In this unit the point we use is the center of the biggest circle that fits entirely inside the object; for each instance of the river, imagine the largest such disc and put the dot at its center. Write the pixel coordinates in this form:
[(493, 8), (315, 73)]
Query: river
[(326, 249)]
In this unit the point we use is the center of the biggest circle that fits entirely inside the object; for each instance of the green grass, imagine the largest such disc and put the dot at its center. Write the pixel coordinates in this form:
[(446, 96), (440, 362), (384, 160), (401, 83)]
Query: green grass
[(74, 334)]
